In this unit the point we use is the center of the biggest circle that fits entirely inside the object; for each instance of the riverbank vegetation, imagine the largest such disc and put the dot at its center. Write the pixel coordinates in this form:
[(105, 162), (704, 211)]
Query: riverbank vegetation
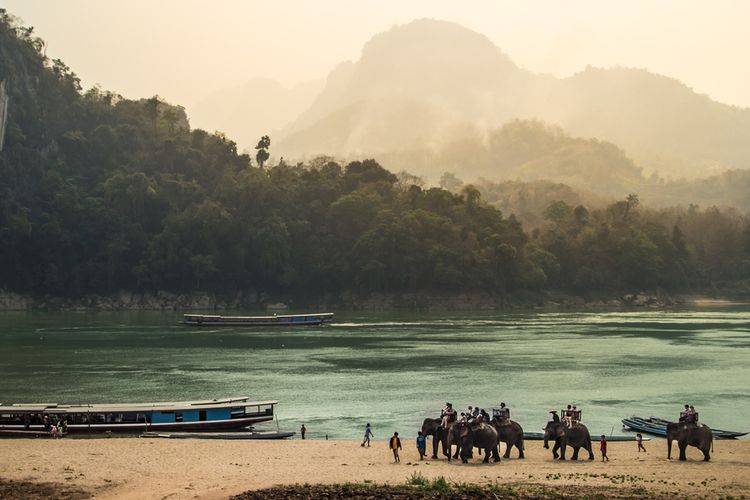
[(99, 194)]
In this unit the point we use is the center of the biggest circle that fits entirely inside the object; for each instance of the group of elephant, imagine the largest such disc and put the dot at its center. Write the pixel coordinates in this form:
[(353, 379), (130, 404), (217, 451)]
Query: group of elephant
[(466, 436)]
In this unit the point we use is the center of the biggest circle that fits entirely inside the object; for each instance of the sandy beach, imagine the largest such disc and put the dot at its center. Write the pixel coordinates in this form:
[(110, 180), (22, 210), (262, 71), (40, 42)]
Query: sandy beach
[(138, 468)]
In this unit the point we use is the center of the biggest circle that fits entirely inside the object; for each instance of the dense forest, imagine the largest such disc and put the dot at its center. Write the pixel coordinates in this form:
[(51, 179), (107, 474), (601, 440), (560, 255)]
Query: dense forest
[(100, 193)]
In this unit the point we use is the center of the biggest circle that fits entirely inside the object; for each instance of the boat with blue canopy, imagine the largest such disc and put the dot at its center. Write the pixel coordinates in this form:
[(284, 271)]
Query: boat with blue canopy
[(211, 415)]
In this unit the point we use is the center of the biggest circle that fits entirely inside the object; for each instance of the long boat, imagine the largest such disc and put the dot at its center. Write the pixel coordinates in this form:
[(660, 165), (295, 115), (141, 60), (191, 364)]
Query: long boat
[(658, 427), (211, 415), (275, 320), (539, 436)]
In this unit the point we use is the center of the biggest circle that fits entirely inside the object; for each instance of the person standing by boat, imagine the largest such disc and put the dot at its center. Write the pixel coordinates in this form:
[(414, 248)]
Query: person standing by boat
[(395, 444), (368, 435), (302, 431), (639, 439)]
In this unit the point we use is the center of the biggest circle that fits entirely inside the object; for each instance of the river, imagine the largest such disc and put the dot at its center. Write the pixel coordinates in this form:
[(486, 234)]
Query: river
[(393, 370)]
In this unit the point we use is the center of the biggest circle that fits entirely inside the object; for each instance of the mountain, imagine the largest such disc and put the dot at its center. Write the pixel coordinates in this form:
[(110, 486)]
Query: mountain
[(257, 108), (421, 85)]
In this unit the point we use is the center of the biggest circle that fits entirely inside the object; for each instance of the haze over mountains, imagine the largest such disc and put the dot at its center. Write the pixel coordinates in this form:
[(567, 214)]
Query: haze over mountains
[(431, 96), (259, 107)]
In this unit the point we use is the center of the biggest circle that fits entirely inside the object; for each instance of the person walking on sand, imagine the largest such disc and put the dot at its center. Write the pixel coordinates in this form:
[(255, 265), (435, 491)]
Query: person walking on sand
[(368, 435), (302, 431), (603, 448), (421, 445), (395, 444), (639, 439)]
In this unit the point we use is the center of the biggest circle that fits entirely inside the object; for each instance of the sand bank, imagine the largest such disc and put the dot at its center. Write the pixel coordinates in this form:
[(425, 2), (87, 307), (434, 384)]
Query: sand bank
[(159, 468)]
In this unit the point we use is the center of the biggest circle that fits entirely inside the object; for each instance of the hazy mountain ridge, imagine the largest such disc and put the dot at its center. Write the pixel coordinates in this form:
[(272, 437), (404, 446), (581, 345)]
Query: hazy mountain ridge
[(465, 79)]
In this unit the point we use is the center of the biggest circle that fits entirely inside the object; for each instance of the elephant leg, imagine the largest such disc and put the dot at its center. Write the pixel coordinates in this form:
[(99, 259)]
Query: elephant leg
[(562, 451), (575, 453), (435, 443), (496, 454), (591, 452), (520, 449), (487, 453), (669, 449), (507, 450), (682, 447), (706, 453)]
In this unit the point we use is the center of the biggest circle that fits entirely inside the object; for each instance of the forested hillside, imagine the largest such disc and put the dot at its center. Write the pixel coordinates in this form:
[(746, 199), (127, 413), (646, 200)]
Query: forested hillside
[(100, 193)]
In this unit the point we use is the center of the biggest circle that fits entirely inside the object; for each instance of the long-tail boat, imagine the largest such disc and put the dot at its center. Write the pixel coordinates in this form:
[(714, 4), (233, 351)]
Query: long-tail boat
[(658, 427), (274, 320)]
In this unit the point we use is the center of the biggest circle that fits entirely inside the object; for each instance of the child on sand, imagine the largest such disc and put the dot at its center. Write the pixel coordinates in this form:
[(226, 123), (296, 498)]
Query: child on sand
[(395, 444), (368, 435), (421, 445), (603, 448), (639, 438)]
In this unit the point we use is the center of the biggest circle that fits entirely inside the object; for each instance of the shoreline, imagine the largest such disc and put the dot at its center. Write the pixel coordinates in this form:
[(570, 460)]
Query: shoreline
[(153, 468), (552, 300)]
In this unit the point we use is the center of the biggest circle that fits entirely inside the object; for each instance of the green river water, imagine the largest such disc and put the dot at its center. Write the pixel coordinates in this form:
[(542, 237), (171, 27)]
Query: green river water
[(393, 370)]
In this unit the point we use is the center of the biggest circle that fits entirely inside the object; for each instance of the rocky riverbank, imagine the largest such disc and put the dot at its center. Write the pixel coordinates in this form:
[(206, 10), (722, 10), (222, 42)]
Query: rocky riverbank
[(461, 301)]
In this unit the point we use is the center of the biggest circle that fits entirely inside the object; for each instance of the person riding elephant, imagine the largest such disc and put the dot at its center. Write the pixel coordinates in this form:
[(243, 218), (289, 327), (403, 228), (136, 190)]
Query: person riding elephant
[(468, 436), (433, 427), (576, 437), (690, 434), (510, 433)]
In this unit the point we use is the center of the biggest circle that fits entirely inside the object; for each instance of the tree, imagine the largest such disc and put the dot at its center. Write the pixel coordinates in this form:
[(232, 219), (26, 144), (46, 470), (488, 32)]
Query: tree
[(262, 155)]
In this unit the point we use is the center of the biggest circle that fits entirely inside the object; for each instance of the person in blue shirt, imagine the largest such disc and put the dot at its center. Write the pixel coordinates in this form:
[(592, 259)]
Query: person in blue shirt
[(368, 435), (421, 445)]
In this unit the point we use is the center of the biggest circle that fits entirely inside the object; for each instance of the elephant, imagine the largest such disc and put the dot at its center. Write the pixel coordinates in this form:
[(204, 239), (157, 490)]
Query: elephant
[(479, 435), (432, 427), (576, 437), (690, 434), (510, 433)]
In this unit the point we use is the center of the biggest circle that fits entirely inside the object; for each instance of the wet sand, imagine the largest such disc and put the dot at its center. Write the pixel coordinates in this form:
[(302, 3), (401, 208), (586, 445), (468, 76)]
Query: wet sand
[(140, 468)]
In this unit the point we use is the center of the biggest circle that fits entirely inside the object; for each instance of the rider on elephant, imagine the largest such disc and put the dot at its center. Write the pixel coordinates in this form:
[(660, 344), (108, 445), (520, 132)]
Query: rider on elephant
[(447, 415)]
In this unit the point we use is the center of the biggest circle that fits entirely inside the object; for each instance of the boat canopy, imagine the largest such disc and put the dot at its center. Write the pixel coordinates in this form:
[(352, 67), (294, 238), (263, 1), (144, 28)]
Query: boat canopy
[(134, 407)]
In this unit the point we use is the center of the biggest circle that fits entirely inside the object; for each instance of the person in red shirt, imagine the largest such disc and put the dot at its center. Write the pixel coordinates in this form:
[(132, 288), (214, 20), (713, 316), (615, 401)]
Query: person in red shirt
[(603, 448)]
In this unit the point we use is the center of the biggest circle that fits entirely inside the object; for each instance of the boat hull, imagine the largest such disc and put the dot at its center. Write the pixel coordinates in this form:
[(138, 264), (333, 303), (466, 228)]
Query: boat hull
[(221, 425), (311, 319), (658, 427)]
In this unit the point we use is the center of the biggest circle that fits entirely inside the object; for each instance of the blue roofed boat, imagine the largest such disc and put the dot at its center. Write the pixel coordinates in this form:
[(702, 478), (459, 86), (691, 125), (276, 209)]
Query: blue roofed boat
[(658, 427), (208, 415), (275, 320)]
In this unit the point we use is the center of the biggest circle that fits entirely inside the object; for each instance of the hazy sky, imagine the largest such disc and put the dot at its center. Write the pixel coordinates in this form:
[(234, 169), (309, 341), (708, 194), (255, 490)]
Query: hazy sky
[(185, 49)]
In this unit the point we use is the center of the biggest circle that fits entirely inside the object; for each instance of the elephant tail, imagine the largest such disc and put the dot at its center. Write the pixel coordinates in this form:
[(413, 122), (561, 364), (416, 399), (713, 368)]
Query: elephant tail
[(712, 445)]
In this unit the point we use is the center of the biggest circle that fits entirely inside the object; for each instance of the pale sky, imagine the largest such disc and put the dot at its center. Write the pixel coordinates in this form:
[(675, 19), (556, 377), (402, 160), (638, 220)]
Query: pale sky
[(184, 50)]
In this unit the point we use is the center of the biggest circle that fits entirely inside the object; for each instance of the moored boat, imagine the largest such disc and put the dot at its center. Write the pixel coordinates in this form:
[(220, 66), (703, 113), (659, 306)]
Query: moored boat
[(658, 427), (213, 415), (274, 320)]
